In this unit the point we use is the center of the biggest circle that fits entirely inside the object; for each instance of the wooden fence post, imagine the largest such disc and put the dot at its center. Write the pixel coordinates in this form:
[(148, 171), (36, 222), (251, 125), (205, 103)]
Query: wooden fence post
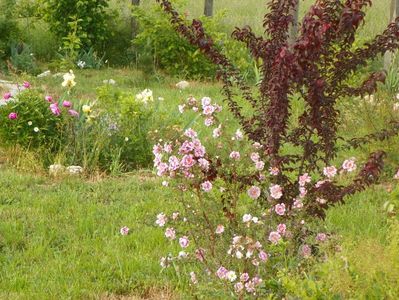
[(208, 10), (134, 24), (393, 15)]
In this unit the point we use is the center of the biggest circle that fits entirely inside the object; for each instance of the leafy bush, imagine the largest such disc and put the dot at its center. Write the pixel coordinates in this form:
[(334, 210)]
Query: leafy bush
[(91, 15), (158, 45), (260, 195), (28, 122)]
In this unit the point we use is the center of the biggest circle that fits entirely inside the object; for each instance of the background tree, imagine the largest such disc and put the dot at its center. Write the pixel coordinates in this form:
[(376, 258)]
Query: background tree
[(134, 23), (208, 9)]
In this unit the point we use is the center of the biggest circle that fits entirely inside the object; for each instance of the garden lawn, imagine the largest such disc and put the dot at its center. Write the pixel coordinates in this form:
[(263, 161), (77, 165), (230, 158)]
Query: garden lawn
[(59, 239)]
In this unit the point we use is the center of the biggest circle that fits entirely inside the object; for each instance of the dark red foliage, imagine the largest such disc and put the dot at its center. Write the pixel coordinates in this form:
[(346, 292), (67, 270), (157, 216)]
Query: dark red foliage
[(315, 67)]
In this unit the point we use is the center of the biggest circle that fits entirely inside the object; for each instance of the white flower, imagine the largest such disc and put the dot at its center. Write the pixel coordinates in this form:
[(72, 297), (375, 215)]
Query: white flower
[(36, 129), (69, 80), (30, 123), (246, 218), (145, 96), (81, 64), (182, 85), (126, 139), (231, 276)]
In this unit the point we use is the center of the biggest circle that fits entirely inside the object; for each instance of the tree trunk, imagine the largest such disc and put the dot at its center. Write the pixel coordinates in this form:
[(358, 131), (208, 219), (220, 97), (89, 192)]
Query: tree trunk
[(134, 24), (293, 32), (208, 10), (393, 15)]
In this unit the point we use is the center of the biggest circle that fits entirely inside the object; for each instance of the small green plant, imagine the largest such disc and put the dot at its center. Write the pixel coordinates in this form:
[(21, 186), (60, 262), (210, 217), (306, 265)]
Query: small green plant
[(23, 59)]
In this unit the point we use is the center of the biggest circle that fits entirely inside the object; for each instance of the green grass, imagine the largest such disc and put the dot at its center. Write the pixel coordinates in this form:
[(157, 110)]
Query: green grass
[(60, 238)]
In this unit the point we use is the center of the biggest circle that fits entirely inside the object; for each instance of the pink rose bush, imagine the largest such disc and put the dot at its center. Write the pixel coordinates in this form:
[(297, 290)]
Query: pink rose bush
[(237, 220)]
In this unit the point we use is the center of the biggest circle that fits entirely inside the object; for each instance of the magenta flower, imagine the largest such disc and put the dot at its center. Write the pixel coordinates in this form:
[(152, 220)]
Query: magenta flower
[(26, 85), (67, 104), (13, 116), (48, 99), (73, 113), (244, 277), (7, 96), (322, 237), (306, 251), (55, 109), (263, 256)]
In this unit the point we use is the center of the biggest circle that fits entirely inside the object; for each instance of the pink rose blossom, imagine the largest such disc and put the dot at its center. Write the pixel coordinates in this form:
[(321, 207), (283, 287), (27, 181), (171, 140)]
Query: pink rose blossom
[(349, 165), (199, 151), (322, 237), (254, 192), (162, 169), (238, 287), (187, 161), (330, 171), (206, 186), (174, 163), (222, 272), (260, 165), (219, 229), (306, 251), (217, 132), (186, 147), (170, 233), (204, 164), (190, 133), (161, 220), (124, 230), (157, 149), (276, 192), (184, 242), (13, 116), (274, 171), (280, 209), (304, 179), (263, 256), (244, 277), (281, 228), (235, 155), (206, 101), (208, 110), (208, 122), (255, 157), (274, 237)]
